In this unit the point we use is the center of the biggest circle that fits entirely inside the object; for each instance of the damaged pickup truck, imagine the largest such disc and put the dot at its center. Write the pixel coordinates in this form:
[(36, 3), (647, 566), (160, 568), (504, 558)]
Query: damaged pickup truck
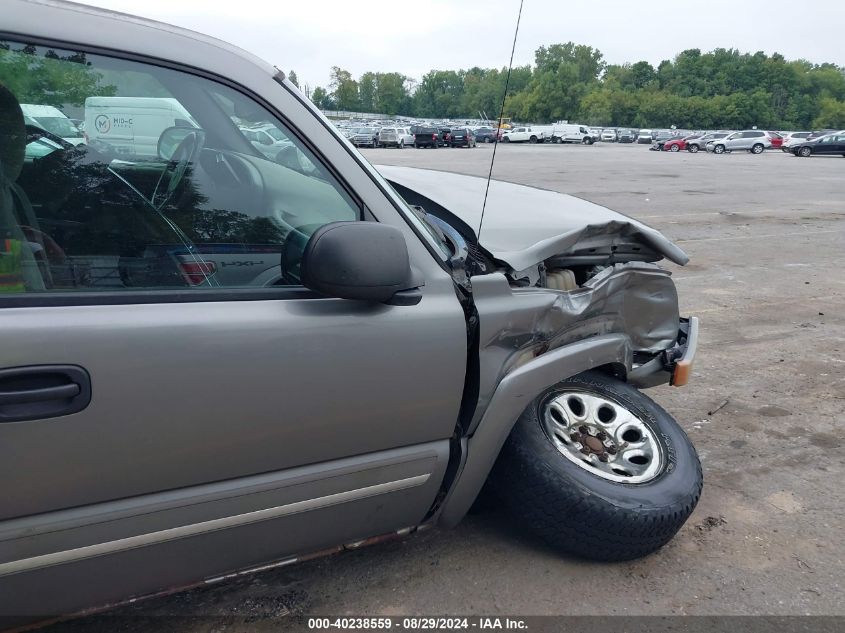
[(215, 362)]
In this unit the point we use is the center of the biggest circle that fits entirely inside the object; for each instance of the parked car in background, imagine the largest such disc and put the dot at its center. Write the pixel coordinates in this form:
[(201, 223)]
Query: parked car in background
[(661, 136), (644, 136), (793, 138), (572, 133), (677, 144), (406, 135), (53, 120), (426, 137), (462, 137), (777, 140), (608, 135), (445, 135), (694, 145), (391, 137), (828, 145), (626, 135), (486, 134), (364, 137), (521, 134), (754, 141)]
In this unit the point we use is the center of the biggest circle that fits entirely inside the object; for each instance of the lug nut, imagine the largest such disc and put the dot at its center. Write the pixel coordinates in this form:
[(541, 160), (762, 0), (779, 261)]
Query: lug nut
[(601, 435), (603, 457), (575, 437), (611, 450), (583, 429)]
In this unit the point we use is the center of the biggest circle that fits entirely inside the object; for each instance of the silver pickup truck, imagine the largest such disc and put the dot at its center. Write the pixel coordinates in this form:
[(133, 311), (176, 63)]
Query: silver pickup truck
[(291, 356)]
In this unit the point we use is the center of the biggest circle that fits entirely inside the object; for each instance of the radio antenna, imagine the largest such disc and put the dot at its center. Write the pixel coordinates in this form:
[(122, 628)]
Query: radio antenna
[(501, 116)]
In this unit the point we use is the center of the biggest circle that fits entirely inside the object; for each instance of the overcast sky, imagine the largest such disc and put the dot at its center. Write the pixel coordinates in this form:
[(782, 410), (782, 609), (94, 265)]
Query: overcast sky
[(310, 36)]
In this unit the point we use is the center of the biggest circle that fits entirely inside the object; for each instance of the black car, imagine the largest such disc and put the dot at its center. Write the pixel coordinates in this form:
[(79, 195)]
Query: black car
[(426, 136), (462, 137), (626, 136), (830, 145), (486, 135)]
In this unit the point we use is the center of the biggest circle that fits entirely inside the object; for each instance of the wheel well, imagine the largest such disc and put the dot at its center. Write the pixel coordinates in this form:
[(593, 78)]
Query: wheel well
[(616, 370)]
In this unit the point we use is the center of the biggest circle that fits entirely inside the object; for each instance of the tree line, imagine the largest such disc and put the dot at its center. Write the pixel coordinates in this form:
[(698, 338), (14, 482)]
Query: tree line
[(723, 88)]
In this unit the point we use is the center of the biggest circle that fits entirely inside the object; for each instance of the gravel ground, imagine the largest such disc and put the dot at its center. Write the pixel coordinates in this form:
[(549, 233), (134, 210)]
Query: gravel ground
[(766, 237)]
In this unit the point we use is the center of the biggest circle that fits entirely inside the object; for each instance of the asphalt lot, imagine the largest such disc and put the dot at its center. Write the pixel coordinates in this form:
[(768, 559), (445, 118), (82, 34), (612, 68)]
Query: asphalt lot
[(766, 236)]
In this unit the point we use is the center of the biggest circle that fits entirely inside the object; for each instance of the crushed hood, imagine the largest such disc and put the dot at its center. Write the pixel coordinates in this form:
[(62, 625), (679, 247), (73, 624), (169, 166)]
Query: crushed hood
[(525, 225)]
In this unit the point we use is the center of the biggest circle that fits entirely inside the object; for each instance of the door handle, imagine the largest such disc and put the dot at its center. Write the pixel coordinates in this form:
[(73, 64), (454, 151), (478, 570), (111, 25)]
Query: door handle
[(37, 392), (39, 395)]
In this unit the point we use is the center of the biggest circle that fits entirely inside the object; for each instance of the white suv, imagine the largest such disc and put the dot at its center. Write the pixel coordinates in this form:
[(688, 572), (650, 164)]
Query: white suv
[(754, 141), (521, 135)]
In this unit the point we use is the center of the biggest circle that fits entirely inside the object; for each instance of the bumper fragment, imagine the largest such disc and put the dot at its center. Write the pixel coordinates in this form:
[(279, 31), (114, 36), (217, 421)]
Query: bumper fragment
[(683, 366)]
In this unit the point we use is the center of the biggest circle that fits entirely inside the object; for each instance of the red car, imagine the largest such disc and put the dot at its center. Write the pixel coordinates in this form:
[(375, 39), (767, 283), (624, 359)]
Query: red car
[(677, 144), (777, 140)]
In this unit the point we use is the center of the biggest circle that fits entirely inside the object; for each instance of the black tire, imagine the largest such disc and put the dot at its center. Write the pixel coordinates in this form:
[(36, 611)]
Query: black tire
[(416, 146), (486, 139), (401, 144), (532, 139), (719, 149), (692, 149), (805, 152), (675, 148), (580, 513), (506, 139), (757, 148)]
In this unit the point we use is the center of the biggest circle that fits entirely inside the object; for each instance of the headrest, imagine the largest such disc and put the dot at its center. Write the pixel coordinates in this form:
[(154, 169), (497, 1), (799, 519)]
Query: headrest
[(12, 135)]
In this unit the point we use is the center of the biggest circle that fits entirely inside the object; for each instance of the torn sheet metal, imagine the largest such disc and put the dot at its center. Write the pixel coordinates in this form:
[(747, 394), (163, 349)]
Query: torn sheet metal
[(636, 299)]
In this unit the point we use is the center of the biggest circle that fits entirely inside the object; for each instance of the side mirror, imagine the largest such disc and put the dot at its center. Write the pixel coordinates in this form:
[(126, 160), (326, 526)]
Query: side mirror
[(365, 261), (171, 138)]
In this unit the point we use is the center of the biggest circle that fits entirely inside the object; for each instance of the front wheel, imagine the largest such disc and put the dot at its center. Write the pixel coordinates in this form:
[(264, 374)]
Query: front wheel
[(598, 470), (719, 149), (692, 149), (805, 152), (675, 148)]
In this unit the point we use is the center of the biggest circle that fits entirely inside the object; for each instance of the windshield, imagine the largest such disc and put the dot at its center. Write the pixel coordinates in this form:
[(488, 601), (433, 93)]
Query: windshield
[(58, 125)]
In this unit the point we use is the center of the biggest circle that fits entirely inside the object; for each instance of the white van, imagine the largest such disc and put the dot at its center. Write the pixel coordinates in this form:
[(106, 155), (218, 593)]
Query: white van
[(572, 133), (53, 120), (133, 125)]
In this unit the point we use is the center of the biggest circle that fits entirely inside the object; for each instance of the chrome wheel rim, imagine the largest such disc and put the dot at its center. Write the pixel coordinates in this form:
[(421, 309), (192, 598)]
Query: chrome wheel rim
[(602, 437)]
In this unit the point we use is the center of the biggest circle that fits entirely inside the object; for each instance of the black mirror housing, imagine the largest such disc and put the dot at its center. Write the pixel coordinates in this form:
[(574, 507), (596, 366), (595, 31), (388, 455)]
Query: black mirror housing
[(364, 261)]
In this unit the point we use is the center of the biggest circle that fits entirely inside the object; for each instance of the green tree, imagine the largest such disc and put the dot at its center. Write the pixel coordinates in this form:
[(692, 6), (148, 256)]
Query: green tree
[(50, 79), (344, 89), (322, 99), (831, 114), (293, 78)]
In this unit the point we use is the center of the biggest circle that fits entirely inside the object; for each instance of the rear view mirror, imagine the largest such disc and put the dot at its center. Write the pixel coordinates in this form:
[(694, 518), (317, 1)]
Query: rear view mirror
[(170, 140), (366, 261)]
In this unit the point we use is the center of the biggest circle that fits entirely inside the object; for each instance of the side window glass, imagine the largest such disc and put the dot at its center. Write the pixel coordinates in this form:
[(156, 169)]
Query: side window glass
[(175, 181)]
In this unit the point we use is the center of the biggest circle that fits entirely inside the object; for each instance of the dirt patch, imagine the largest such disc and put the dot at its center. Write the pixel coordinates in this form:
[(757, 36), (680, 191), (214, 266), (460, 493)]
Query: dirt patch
[(825, 440), (711, 523), (773, 411)]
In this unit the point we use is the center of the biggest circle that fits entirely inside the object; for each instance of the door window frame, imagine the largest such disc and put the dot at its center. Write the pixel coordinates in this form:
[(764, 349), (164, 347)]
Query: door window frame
[(177, 295)]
